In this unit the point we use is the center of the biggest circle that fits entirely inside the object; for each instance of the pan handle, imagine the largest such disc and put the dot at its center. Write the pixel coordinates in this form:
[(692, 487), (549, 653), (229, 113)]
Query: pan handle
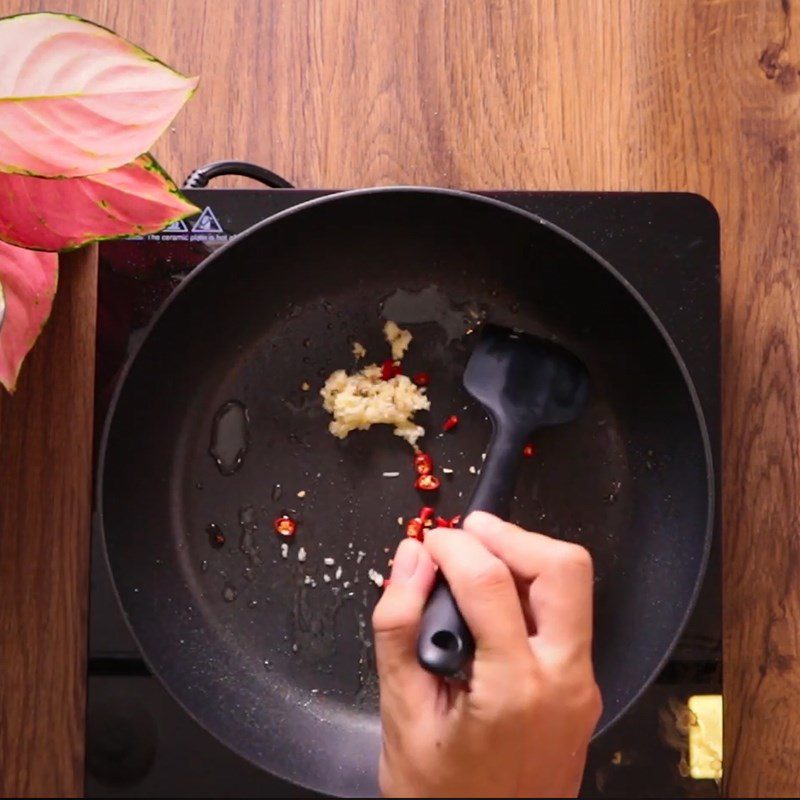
[(445, 645)]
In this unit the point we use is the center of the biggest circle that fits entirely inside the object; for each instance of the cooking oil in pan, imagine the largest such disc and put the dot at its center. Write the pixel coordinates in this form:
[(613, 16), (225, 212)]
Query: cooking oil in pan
[(247, 542), (229, 593), (230, 437), (432, 305), (216, 536)]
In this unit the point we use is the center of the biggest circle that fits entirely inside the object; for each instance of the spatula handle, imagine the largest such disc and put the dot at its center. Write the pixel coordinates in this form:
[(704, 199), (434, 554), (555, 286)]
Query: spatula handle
[(495, 487), (445, 644)]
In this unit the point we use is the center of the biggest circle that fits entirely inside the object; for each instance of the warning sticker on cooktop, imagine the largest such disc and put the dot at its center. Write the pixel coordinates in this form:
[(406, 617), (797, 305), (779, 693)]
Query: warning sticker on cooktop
[(207, 222), (206, 228)]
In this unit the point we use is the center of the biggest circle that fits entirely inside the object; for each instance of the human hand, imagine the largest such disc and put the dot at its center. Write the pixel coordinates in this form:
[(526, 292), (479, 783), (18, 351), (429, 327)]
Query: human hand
[(521, 724)]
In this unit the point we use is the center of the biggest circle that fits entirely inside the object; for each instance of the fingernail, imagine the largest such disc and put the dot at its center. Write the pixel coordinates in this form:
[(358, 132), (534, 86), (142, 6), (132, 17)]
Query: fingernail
[(405, 560)]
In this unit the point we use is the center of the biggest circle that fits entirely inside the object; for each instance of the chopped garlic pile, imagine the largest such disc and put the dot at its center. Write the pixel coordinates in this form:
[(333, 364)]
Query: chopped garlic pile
[(364, 399), (360, 401), (398, 339)]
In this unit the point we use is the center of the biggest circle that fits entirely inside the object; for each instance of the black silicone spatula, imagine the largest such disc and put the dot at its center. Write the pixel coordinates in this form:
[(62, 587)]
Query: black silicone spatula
[(524, 383)]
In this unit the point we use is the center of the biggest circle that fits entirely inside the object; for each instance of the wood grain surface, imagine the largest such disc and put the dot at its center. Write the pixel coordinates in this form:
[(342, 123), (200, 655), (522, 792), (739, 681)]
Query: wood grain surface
[(45, 484), (699, 95)]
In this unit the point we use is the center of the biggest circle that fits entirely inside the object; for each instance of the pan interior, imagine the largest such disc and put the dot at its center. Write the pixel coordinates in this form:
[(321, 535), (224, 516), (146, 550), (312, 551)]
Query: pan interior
[(264, 650)]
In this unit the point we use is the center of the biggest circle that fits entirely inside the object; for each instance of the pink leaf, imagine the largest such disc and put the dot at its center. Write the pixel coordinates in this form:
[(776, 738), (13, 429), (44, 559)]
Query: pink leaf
[(28, 282), (44, 214), (76, 99)]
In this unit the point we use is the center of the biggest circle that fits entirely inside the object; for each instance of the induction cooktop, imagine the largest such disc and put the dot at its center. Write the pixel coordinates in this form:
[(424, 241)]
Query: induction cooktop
[(140, 743)]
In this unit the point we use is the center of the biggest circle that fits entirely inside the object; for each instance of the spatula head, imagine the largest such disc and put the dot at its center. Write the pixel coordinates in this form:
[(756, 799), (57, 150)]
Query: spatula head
[(525, 382)]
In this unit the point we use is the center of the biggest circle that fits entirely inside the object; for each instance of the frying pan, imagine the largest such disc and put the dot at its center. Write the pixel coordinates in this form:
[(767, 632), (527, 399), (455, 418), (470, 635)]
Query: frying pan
[(268, 654)]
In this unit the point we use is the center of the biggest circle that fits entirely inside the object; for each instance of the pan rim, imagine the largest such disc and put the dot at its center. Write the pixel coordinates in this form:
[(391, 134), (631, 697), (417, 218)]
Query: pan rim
[(461, 194)]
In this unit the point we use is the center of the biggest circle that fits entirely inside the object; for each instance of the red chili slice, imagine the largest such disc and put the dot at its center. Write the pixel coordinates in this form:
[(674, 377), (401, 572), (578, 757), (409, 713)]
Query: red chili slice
[(389, 369), (285, 525), (414, 529), (455, 521), (427, 483), (529, 450), (426, 512), (450, 423), (441, 522), (422, 379), (423, 464)]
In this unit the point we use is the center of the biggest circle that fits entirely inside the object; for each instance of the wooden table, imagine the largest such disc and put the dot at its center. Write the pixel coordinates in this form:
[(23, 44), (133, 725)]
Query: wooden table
[(558, 94)]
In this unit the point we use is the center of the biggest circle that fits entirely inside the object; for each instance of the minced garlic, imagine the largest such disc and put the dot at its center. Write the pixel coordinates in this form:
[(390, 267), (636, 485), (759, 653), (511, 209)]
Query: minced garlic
[(364, 399), (359, 351), (398, 339)]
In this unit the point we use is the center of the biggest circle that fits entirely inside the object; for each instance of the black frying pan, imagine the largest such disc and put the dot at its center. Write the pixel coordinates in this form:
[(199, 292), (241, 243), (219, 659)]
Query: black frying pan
[(280, 670)]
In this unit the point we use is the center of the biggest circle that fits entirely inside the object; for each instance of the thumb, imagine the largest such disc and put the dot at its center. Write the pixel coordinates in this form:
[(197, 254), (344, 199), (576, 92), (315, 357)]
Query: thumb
[(396, 621)]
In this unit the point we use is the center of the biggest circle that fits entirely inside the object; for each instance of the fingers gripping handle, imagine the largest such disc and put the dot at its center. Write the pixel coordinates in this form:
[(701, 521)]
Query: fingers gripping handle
[(445, 643)]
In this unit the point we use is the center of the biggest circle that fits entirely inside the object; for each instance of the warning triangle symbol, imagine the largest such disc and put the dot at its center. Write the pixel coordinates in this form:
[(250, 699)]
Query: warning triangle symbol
[(207, 223), (179, 226)]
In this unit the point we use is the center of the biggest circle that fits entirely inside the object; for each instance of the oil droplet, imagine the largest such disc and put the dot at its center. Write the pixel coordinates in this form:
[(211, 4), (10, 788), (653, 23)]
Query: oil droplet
[(307, 342), (204, 566), (198, 486), (229, 437), (216, 536), (267, 664), (247, 542), (276, 492), (327, 305), (229, 593), (252, 603)]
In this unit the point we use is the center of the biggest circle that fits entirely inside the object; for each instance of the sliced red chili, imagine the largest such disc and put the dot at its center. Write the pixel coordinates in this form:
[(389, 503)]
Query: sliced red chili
[(455, 521), (450, 423), (423, 464), (441, 522), (529, 450), (426, 512), (428, 483), (389, 369), (285, 525), (414, 529), (422, 379)]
